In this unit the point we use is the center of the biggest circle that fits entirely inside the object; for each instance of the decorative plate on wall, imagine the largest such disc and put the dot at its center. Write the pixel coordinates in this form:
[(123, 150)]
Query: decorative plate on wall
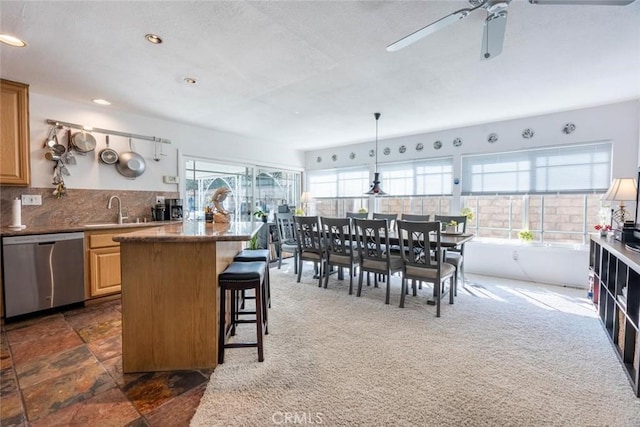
[(352, 155), (493, 137), (437, 145), (527, 133), (372, 153), (402, 149), (568, 128), (457, 142), (419, 146), (318, 159), (334, 157), (387, 151)]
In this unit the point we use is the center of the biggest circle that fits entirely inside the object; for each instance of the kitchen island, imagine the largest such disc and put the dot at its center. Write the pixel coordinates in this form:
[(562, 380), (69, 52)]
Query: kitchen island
[(170, 293)]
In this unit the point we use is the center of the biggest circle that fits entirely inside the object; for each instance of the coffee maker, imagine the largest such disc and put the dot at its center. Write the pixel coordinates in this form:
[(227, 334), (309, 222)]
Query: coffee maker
[(157, 212), (173, 210)]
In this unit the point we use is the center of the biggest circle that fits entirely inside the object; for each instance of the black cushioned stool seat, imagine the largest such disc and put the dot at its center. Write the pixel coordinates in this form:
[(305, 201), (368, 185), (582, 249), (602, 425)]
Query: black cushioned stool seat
[(241, 276), (247, 255)]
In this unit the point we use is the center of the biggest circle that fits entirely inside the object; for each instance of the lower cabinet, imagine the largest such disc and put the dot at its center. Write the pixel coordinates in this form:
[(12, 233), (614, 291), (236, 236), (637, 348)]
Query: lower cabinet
[(102, 262), (615, 272)]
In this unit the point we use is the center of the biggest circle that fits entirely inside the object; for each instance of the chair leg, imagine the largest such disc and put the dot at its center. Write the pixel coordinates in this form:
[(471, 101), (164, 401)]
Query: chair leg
[(222, 330), (351, 280), (259, 325), (280, 259), (403, 291), (360, 282), (320, 271), (388, 295), (299, 268), (326, 277), (296, 257)]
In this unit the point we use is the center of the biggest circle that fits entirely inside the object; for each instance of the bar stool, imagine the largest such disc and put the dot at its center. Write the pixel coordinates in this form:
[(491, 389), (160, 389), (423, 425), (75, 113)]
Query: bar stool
[(249, 255), (240, 276)]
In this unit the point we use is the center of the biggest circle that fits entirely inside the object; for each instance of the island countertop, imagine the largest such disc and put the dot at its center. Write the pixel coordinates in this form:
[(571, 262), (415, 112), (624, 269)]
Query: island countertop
[(196, 231)]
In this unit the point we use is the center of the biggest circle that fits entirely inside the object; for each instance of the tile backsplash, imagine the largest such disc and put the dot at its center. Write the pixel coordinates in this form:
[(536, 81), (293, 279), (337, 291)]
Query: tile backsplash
[(79, 206)]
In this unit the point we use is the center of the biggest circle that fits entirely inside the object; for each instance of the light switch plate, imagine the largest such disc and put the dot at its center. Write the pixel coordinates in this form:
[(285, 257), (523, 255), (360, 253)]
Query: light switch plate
[(159, 200), (169, 179), (31, 199)]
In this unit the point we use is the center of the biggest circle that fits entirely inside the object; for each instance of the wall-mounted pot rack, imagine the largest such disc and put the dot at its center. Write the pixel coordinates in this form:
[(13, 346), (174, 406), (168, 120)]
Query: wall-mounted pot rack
[(107, 131)]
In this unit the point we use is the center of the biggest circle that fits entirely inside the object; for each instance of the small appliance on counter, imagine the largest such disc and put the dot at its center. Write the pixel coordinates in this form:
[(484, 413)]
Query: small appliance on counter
[(157, 212), (173, 210)]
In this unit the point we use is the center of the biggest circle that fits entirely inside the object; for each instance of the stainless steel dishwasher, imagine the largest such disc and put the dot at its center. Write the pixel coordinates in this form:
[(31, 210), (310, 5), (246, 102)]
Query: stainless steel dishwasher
[(42, 271)]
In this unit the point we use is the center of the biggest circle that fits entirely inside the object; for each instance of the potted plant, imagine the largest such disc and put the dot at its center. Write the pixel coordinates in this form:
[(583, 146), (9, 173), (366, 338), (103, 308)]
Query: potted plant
[(451, 226), (525, 235), (468, 213), (362, 210), (260, 214)]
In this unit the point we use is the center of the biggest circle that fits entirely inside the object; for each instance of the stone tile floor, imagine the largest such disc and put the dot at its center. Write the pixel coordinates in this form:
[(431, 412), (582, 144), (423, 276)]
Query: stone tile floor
[(65, 369)]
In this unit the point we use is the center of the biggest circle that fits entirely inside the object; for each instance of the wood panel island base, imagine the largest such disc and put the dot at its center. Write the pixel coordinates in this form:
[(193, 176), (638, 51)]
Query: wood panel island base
[(170, 293)]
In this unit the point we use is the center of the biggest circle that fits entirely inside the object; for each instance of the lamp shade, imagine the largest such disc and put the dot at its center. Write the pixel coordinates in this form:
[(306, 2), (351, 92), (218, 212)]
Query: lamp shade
[(375, 189), (622, 190), (305, 197)]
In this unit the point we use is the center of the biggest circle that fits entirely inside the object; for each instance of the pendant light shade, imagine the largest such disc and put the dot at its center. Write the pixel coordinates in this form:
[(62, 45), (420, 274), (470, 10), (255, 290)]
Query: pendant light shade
[(375, 189)]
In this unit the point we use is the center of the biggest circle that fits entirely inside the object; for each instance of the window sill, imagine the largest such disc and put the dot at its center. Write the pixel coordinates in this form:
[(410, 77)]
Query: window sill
[(532, 245)]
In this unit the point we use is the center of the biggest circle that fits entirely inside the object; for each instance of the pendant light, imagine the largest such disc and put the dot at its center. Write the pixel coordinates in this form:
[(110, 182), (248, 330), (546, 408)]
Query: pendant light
[(375, 189)]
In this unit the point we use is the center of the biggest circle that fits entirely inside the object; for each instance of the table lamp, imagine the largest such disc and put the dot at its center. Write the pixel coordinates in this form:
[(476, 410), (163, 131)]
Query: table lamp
[(305, 199), (621, 190)]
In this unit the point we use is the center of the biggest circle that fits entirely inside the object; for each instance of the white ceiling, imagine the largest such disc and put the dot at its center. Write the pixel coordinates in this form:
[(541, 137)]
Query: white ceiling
[(310, 74)]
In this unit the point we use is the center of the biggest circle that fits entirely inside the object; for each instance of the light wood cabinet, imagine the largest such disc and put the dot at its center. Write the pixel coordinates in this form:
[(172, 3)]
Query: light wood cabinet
[(102, 262), (14, 134)]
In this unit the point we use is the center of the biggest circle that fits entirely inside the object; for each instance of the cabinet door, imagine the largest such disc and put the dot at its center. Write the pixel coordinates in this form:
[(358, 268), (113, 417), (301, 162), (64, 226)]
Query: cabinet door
[(104, 271), (14, 133)]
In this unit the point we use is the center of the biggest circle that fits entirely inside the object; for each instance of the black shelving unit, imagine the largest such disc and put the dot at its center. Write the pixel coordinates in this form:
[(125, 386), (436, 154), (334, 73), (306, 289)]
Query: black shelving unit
[(615, 275)]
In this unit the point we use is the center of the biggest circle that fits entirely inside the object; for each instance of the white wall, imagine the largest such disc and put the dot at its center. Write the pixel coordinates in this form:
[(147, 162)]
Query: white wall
[(619, 123), (90, 173)]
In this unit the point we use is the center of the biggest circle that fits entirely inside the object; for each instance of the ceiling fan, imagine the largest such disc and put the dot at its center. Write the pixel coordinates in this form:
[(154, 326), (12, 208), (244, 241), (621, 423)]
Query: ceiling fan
[(494, 25)]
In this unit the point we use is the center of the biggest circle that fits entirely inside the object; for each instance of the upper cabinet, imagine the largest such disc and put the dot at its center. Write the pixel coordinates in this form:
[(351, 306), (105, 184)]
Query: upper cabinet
[(14, 134)]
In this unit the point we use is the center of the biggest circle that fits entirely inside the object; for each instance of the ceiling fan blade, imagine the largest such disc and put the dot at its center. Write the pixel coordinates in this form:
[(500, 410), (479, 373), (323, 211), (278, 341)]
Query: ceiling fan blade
[(584, 2), (431, 28), (493, 35)]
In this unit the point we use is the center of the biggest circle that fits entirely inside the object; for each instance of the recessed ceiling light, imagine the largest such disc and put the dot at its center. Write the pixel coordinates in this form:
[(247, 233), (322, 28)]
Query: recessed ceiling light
[(11, 40), (190, 80), (153, 38), (101, 101)]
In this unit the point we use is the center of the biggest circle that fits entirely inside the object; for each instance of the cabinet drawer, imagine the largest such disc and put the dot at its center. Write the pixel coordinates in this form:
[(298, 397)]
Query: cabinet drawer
[(102, 240)]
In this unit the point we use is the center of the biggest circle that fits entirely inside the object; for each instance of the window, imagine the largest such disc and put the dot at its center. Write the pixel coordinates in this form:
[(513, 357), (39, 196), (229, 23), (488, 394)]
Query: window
[(251, 188), (429, 177), (338, 191), (423, 186), (573, 169), (554, 192)]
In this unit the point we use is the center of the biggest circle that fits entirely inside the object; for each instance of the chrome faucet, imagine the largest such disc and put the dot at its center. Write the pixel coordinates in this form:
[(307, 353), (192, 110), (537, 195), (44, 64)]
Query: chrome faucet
[(120, 217)]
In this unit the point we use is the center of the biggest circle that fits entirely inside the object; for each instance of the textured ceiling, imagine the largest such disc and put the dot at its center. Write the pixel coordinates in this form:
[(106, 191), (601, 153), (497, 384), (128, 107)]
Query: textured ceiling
[(310, 74)]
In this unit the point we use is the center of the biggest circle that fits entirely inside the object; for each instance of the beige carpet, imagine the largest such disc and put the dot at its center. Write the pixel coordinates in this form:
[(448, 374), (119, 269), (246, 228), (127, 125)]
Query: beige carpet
[(505, 354)]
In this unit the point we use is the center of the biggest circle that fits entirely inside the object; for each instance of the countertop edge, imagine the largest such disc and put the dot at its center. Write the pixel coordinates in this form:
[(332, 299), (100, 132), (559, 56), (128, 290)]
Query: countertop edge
[(7, 232), (192, 232)]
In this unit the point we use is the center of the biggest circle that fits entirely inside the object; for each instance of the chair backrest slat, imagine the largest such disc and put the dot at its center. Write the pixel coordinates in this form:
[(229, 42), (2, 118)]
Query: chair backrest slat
[(308, 234), (285, 226), (361, 215), (373, 239), (337, 235), (415, 217), (416, 247), (391, 219)]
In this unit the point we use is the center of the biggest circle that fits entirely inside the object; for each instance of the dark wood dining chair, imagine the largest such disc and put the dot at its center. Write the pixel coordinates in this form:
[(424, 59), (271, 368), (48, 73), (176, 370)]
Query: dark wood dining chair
[(286, 230), (455, 256), (415, 217), (341, 249), (373, 243), (311, 246), (417, 262), (391, 219)]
